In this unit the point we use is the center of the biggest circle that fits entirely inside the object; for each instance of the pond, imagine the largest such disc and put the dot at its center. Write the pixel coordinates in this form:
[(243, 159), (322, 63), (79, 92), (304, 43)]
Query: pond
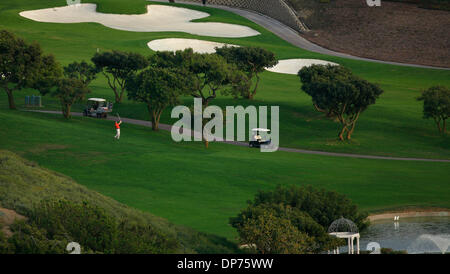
[(415, 235)]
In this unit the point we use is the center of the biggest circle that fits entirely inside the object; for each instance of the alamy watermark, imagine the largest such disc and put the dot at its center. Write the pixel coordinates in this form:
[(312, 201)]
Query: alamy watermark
[(191, 126)]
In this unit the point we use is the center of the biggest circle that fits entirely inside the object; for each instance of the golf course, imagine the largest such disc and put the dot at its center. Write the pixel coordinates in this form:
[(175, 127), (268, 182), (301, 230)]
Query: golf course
[(201, 188)]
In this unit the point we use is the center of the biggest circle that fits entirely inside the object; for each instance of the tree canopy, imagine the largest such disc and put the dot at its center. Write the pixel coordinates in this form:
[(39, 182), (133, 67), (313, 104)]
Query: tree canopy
[(24, 65), (269, 233), (158, 88), (69, 91), (81, 70), (252, 61), (338, 93), (207, 74), (204, 75), (310, 211), (436, 105), (117, 66)]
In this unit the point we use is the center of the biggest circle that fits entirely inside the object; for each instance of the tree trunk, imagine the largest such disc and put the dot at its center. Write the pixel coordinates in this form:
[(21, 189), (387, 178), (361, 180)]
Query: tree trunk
[(444, 130), (155, 124), (341, 134), (252, 94), (438, 123), (66, 110), (12, 105), (155, 121), (118, 98), (155, 116), (350, 132), (122, 87)]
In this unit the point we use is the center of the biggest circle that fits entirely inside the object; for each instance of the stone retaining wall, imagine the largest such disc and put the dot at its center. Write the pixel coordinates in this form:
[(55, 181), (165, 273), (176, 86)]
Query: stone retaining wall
[(276, 9)]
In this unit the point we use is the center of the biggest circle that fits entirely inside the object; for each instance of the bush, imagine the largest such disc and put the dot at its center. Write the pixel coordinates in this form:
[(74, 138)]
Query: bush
[(268, 233), (30, 239), (54, 224), (88, 225), (308, 210), (322, 205)]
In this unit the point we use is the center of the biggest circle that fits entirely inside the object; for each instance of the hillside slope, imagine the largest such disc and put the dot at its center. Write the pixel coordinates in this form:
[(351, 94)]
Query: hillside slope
[(23, 184), (400, 32)]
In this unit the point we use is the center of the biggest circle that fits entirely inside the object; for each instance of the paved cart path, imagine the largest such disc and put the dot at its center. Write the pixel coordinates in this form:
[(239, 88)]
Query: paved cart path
[(288, 34), (245, 144)]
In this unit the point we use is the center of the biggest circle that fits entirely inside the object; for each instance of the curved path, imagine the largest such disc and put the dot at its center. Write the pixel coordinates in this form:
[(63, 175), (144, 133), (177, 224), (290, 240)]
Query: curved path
[(295, 150), (288, 34)]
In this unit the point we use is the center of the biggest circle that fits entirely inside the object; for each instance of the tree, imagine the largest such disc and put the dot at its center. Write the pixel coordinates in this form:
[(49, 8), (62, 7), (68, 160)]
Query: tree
[(251, 60), (158, 88), (310, 211), (270, 234), (117, 66), (338, 93), (24, 65), (208, 74), (205, 74), (69, 91), (82, 71), (436, 105)]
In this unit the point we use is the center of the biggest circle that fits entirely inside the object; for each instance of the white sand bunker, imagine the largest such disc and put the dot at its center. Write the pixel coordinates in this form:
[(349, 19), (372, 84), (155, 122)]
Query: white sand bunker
[(292, 66), (174, 44), (158, 18)]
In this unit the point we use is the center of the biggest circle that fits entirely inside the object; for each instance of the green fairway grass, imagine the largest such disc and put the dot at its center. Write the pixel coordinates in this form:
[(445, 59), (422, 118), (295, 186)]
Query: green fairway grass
[(392, 127), (200, 188)]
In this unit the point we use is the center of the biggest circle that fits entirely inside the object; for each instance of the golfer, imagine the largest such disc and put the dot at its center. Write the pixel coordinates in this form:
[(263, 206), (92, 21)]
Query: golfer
[(117, 124)]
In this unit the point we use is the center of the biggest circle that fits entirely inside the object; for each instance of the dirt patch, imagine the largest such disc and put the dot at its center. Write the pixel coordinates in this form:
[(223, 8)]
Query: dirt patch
[(7, 218), (398, 32)]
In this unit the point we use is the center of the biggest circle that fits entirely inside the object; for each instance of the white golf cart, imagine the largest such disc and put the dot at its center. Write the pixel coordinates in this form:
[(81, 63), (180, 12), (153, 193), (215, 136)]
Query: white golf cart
[(98, 107), (260, 137)]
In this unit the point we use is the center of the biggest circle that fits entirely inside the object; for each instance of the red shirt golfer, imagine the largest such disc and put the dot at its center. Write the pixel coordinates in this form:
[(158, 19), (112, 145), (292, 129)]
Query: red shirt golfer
[(117, 124)]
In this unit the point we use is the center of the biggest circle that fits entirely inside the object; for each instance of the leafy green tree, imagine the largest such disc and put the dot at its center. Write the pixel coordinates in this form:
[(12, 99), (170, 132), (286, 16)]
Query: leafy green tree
[(338, 93), (270, 234), (208, 74), (436, 105), (82, 71), (309, 210), (117, 66), (205, 75), (69, 91), (319, 240), (50, 72), (24, 65), (252, 61), (156, 87)]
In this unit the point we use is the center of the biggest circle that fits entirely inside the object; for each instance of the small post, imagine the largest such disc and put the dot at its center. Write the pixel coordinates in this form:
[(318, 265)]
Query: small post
[(357, 245)]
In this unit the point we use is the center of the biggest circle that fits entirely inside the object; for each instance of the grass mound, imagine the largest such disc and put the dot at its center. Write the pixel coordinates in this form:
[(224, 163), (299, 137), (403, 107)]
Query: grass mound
[(24, 185)]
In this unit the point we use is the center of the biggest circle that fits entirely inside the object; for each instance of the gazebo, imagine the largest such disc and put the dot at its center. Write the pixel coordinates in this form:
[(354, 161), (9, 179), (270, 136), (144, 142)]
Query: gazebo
[(345, 229)]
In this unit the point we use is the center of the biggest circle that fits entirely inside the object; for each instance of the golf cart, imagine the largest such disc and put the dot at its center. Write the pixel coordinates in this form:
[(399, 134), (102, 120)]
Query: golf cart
[(258, 140), (98, 107)]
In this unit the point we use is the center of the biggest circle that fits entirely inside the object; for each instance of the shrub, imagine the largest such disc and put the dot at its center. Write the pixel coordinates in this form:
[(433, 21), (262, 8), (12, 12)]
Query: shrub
[(309, 210)]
